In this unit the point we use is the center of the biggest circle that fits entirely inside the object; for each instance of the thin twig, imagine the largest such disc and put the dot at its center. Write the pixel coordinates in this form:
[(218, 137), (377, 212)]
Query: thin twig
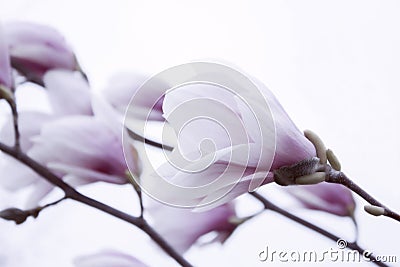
[(339, 177), (19, 216), (71, 193), (352, 245), (142, 139), (9, 96), (39, 209), (14, 112), (138, 191)]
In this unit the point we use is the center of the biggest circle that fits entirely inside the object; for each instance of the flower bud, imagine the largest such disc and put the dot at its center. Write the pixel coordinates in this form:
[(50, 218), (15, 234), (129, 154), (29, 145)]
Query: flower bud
[(35, 49), (374, 210), (14, 214)]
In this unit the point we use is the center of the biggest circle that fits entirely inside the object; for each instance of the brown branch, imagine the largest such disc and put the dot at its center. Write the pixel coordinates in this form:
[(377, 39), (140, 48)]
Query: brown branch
[(339, 177), (352, 245), (19, 216), (71, 193), (8, 95)]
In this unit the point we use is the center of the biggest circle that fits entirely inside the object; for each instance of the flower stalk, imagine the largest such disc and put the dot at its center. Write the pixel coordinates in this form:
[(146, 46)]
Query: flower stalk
[(351, 245), (71, 193)]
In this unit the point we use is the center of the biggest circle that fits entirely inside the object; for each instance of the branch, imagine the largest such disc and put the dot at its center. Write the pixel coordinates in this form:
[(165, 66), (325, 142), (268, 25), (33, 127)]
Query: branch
[(142, 139), (14, 112), (19, 216), (138, 191), (8, 95), (333, 174), (352, 245), (71, 193), (339, 177)]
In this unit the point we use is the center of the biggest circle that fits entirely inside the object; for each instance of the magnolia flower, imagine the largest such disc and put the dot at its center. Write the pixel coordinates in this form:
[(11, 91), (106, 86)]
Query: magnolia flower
[(79, 148), (36, 48), (62, 89), (183, 227), (5, 67), (108, 258), (332, 198), (242, 156)]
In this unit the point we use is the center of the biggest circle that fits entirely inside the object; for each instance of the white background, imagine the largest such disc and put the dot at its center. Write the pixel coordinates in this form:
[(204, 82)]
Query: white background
[(334, 65)]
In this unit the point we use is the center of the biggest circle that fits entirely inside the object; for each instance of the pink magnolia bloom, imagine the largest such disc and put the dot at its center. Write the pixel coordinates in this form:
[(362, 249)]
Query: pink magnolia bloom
[(80, 141), (108, 258), (62, 89), (183, 227), (36, 48), (81, 148), (238, 173), (5, 67), (332, 198)]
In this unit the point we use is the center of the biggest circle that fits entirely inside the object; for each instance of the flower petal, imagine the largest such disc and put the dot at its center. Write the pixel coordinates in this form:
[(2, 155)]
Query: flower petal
[(5, 65), (108, 258), (36, 48), (68, 92), (30, 124), (80, 142), (332, 198), (169, 222)]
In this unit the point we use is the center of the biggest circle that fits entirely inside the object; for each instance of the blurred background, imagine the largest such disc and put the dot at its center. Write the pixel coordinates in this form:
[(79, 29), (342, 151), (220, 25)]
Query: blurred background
[(334, 66)]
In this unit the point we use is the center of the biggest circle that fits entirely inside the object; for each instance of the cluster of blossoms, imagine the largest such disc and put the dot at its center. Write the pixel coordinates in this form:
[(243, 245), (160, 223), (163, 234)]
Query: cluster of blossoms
[(80, 140)]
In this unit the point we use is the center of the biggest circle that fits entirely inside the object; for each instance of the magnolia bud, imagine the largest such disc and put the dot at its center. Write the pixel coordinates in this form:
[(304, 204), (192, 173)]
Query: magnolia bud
[(14, 214), (374, 210)]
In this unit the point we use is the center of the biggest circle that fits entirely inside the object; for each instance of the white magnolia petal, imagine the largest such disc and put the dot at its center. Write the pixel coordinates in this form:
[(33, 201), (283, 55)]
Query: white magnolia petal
[(41, 189), (108, 258), (87, 175), (15, 175), (68, 92), (219, 195), (105, 113), (30, 124)]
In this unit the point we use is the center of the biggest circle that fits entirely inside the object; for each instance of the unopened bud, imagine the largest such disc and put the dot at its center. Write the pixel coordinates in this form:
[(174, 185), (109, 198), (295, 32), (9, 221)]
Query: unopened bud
[(14, 214), (374, 210)]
